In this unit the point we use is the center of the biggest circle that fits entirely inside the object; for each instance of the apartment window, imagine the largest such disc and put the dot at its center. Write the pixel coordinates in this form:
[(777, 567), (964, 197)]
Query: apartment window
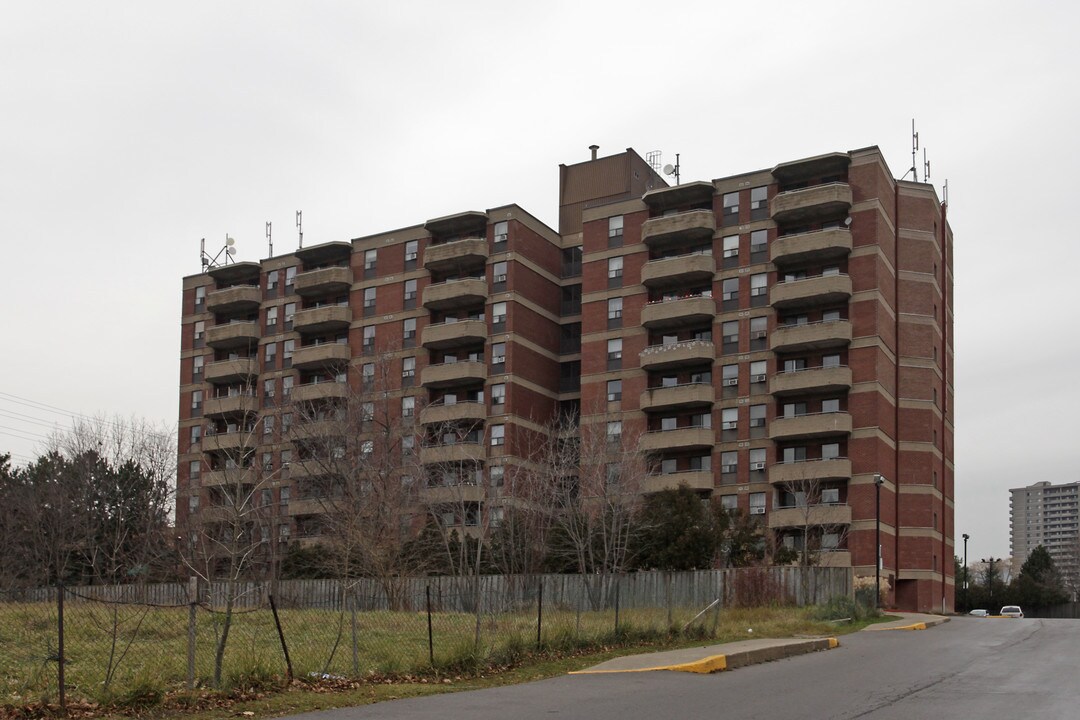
[(498, 356), (615, 231), (571, 261), (759, 290), (290, 278), (367, 414), (795, 364), (830, 451), (830, 270), (200, 297), (498, 317), (193, 504), (614, 432), (371, 259), (729, 334), (731, 208), (729, 462), (614, 272), (701, 420), (794, 454), (267, 464), (199, 335), (614, 354), (570, 376), (758, 368), (830, 496), (757, 416), (412, 249), (794, 409), (702, 463), (614, 313), (268, 392), (496, 474), (614, 390), (408, 406), (367, 376), (701, 377), (369, 301), (730, 296), (757, 503), (498, 275), (368, 334), (831, 405), (757, 459), (759, 243), (409, 296), (830, 316), (613, 471), (669, 466), (288, 347), (502, 230), (197, 363), (271, 318), (571, 300), (270, 356), (758, 332), (268, 425), (570, 338), (759, 203), (408, 333), (498, 435), (196, 434), (729, 419), (286, 386), (286, 422), (729, 375), (194, 469), (498, 395), (731, 251), (408, 371), (272, 279), (290, 313), (729, 503)]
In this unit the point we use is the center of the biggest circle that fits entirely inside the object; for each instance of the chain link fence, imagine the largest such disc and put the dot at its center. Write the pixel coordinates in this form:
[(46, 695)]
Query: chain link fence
[(118, 643)]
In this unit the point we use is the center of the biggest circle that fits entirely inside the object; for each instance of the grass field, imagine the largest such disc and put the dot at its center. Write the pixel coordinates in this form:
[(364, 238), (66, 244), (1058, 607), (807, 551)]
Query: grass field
[(130, 654)]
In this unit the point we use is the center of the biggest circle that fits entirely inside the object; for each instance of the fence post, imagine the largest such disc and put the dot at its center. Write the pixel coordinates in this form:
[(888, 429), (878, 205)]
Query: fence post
[(60, 645), (281, 636), (430, 638), (539, 613), (193, 605), (355, 648), (618, 585), (667, 593)]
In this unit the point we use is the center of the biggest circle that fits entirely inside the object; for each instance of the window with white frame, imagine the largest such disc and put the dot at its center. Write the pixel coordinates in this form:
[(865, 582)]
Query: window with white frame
[(369, 300), (731, 208), (830, 361), (615, 228), (729, 503), (729, 375), (498, 316), (729, 462), (498, 434), (498, 354), (614, 271), (830, 451), (200, 297), (371, 258), (730, 289), (272, 279), (409, 296), (502, 231), (614, 312), (759, 242), (271, 317), (757, 416), (197, 363), (408, 406), (614, 353), (793, 454), (498, 275), (290, 276), (759, 285), (794, 409), (731, 246), (830, 405), (290, 313), (729, 332), (759, 203), (498, 394), (614, 390), (368, 335), (614, 431), (367, 375), (729, 419), (757, 459), (196, 434), (408, 367), (757, 503), (412, 249)]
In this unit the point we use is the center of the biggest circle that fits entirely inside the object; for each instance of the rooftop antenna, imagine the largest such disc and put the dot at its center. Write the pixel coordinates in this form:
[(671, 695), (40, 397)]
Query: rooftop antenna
[(673, 169), (300, 226), (914, 170), (945, 192), (926, 166), (270, 237), (653, 158), (223, 256)]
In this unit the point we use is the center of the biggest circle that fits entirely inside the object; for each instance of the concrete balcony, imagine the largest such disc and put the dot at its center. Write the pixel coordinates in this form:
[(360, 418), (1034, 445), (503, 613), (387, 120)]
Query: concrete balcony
[(229, 477), (450, 256), (324, 281), (230, 441), (324, 355), (456, 453), (233, 334), (812, 380), (307, 468), (678, 313), (693, 479), (834, 558), (440, 413), (677, 396), (310, 506), (811, 336), (455, 294), (323, 319), (685, 227), (810, 515), (805, 427), (810, 470), (453, 334), (811, 292), (692, 269), (452, 374), (803, 204), (452, 494), (229, 371), (812, 247), (234, 299), (320, 391), (318, 429), (675, 355), (231, 405), (687, 438)]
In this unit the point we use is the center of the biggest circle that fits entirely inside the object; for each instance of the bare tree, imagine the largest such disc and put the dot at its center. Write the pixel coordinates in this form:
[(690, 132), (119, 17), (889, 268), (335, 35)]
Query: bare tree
[(814, 523)]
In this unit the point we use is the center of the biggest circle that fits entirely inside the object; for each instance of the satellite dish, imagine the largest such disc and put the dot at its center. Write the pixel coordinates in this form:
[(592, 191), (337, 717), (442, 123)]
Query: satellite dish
[(669, 169), (231, 250), (847, 221), (229, 240)]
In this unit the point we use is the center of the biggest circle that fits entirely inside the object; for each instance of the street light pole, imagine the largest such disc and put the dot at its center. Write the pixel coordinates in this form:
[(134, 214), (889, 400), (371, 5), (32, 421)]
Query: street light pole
[(879, 480), (966, 537)]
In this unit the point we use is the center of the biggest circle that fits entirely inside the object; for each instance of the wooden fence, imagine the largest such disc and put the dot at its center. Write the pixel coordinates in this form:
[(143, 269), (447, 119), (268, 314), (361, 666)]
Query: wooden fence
[(494, 593)]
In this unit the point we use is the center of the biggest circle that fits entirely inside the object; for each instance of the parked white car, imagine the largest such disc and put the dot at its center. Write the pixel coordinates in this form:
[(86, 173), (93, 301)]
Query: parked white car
[(1012, 611), (979, 613)]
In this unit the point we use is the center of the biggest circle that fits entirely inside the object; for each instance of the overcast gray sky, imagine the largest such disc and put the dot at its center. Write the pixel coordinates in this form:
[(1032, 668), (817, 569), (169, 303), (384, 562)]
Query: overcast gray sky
[(132, 130)]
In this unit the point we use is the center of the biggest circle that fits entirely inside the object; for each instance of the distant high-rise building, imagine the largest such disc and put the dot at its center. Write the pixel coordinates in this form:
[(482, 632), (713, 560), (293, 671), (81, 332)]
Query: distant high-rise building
[(1047, 515), (777, 339)]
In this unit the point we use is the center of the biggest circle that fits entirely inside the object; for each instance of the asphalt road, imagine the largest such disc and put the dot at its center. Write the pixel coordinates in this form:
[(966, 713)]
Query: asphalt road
[(968, 668)]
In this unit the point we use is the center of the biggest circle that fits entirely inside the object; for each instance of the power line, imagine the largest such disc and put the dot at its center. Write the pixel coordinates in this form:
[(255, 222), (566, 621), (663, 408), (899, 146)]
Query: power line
[(25, 432), (40, 406)]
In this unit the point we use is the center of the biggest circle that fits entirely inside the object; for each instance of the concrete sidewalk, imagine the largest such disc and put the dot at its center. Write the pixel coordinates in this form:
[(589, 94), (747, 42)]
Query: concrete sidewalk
[(728, 656)]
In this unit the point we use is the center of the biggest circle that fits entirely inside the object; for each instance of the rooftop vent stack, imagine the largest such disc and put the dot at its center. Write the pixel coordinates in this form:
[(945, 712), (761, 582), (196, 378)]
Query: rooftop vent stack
[(594, 148)]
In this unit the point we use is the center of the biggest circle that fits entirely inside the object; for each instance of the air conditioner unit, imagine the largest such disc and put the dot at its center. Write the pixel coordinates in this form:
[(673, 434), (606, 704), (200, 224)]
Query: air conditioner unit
[(757, 378), (729, 425), (757, 511), (757, 466), (731, 381), (726, 469), (757, 335)]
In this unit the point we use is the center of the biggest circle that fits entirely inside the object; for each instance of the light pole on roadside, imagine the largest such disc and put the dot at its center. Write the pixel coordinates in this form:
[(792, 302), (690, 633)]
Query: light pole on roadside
[(879, 480), (965, 588)]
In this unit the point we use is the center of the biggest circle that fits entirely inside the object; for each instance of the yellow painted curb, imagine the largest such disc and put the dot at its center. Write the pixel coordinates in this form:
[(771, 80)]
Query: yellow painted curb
[(833, 643), (916, 626), (715, 663)]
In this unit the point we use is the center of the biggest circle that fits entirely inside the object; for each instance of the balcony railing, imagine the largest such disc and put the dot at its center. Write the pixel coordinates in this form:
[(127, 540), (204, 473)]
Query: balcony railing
[(818, 380), (811, 425), (811, 247), (452, 294), (811, 336), (690, 226), (676, 312), (803, 471), (234, 299), (678, 438), (451, 374), (455, 255), (692, 269), (444, 413), (807, 515), (323, 281), (453, 334), (677, 354), (677, 396), (811, 291), (693, 479), (826, 199)]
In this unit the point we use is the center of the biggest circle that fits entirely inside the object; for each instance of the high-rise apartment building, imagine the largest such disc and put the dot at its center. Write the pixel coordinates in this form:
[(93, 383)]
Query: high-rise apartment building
[(778, 339), (1047, 515)]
